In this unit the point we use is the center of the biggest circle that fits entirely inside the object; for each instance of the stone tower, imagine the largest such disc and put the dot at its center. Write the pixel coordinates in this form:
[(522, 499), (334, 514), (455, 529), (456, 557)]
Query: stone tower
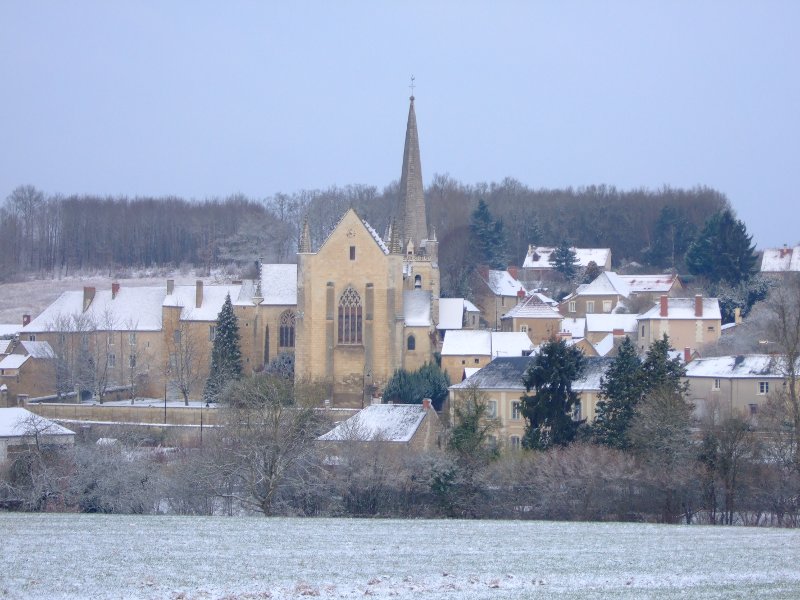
[(412, 198)]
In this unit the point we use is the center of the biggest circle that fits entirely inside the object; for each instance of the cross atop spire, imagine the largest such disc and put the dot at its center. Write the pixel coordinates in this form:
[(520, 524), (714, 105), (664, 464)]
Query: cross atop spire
[(411, 87)]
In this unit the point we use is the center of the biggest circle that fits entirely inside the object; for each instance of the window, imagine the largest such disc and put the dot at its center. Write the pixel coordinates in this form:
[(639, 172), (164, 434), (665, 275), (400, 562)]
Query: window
[(176, 336), (32, 337), (491, 409), (576, 412), (350, 317), (132, 338), (412, 343), (110, 340), (417, 282), (286, 332), (763, 388), (642, 330), (212, 332), (62, 338), (516, 410), (589, 306), (716, 386), (523, 329), (132, 361), (606, 306), (477, 361), (514, 442), (463, 362), (711, 328), (572, 306), (352, 252), (112, 360), (753, 409)]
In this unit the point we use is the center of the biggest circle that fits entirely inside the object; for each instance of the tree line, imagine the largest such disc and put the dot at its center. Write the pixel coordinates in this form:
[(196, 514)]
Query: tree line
[(42, 233)]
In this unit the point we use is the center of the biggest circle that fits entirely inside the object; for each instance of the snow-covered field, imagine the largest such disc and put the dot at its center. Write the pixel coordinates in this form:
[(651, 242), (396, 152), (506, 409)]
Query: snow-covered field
[(96, 556)]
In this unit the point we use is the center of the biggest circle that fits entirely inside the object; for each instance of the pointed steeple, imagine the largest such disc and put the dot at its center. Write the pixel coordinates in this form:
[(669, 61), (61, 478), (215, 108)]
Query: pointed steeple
[(395, 247), (412, 198), (304, 245)]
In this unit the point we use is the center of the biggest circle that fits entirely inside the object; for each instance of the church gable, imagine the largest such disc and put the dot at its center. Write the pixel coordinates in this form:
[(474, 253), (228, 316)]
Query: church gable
[(352, 240)]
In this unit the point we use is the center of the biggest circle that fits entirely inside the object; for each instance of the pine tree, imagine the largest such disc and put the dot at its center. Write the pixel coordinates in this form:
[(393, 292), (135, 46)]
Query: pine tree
[(564, 260), (672, 234), (592, 272), (489, 237), (226, 353), (660, 372), (548, 411), (723, 251), (621, 389), (411, 387)]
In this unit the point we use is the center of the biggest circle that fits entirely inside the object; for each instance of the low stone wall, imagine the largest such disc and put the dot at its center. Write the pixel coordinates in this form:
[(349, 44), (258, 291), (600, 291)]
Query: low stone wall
[(174, 415)]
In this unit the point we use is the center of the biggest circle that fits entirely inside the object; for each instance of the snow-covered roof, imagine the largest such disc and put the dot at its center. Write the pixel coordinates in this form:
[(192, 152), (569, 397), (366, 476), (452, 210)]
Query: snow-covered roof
[(576, 327), (5, 346), (451, 313), (466, 342), (604, 346), (502, 283), (539, 257), (133, 308), (379, 422), (609, 322), (607, 283), (532, 307), (748, 366), (13, 361), (213, 299), (594, 369), (417, 308), (9, 329), (278, 284), (510, 343), (470, 307), (376, 237), (639, 284), (683, 308), (16, 421), (470, 371), (775, 260), (38, 349), (544, 298)]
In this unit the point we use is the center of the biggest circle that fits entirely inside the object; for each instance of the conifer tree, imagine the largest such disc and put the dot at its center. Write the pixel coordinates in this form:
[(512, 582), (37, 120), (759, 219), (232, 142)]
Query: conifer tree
[(660, 372), (621, 389), (226, 353), (723, 251), (548, 411), (564, 260), (488, 236)]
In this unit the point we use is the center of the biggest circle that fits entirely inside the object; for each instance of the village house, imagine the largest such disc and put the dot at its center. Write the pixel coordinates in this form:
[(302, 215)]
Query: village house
[(533, 317), (775, 261), (21, 430), (27, 370), (474, 349), (690, 323), (457, 314), (496, 292), (538, 266), (609, 293), (733, 385)]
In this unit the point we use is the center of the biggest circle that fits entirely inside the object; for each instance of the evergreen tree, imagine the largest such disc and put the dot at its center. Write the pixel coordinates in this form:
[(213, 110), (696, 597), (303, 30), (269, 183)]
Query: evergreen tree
[(621, 389), (672, 234), (723, 251), (564, 260), (548, 411), (591, 273), (660, 372), (411, 387), (226, 353), (489, 237)]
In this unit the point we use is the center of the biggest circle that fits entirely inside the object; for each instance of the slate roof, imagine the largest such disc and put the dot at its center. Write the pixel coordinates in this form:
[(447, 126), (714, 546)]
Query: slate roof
[(38, 349), (504, 372), (595, 368), (610, 322), (213, 299), (748, 366), (649, 283), (379, 422), (683, 308), (502, 283), (417, 308), (13, 361), (532, 307), (278, 285)]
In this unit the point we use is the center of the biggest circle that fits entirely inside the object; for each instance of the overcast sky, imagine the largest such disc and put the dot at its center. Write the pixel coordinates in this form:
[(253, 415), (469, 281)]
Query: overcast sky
[(201, 99)]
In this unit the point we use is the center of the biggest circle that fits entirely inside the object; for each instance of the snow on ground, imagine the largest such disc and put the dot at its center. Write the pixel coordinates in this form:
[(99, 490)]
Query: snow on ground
[(100, 556)]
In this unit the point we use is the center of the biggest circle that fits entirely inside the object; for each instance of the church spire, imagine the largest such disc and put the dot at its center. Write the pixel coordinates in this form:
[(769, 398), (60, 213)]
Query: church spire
[(412, 198)]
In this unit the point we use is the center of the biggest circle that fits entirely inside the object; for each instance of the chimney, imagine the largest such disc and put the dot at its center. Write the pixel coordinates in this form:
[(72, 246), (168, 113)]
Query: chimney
[(564, 335), (88, 296), (198, 294), (698, 306), (664, 306), (520, 294), (737, 315), (687, 355), (114, 290), (618, 332), (426, 403), (25, 320), (170, 286)]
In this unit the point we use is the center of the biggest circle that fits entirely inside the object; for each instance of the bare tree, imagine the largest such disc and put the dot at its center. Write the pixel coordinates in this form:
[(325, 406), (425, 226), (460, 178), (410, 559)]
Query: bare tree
[(187, 361)]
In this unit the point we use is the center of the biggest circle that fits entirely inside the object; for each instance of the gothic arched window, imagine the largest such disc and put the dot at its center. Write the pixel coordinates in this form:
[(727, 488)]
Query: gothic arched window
[(412, 343), (350, 317), (286, 336)]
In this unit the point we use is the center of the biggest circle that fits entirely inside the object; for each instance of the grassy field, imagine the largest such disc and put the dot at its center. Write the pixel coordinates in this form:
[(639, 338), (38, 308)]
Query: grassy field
[(97, 556)]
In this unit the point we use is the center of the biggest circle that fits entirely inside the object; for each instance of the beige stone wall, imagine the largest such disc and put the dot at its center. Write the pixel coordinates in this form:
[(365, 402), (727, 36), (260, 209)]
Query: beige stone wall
[(493, 307), (454, 365), (423, 349), (539, 330), (733, 396), (175, 415), (581, 307), (683, 333)]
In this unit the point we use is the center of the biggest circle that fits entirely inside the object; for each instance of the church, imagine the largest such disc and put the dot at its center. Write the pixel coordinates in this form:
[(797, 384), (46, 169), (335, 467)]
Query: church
[(367, 306)]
